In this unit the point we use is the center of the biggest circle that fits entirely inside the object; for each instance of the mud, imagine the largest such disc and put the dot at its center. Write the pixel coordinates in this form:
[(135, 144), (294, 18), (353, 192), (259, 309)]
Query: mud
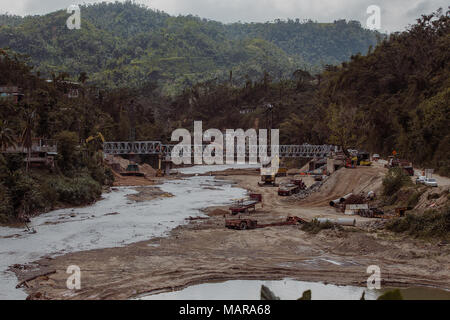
[(205, 251)]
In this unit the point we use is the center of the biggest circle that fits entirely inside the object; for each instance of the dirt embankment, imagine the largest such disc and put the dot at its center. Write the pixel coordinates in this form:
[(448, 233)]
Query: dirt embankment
[(204, 250), (119, 164)]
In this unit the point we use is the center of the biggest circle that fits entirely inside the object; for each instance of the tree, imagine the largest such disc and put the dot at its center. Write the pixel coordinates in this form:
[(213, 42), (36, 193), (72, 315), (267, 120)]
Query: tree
[(83, 77), (7, 138), (67, 149), (27, 140), (343, 124)]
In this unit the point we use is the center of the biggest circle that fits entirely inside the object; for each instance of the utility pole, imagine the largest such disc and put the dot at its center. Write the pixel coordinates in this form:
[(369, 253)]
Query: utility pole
[(132, 116)]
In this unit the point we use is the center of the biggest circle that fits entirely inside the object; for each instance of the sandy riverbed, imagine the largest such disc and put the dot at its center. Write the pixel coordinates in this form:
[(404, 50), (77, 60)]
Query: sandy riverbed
[(203, 251)]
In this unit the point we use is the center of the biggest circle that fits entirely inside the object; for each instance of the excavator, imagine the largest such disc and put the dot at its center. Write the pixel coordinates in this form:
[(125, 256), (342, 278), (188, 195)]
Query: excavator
[(99, 153), (97, 136), (269, 173)]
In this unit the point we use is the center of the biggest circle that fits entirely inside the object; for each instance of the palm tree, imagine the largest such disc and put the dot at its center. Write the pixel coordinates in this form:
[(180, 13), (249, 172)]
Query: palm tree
[(27, 141), (7, 138)]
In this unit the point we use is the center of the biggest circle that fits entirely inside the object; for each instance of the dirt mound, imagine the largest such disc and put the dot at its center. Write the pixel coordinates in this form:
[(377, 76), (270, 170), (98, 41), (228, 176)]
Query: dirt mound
[(345, 181), (358, 243), (147, 170)]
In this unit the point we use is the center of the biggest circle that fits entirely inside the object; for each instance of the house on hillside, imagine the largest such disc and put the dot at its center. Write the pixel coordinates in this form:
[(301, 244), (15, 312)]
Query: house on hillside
[(43, 152), (11, 92)]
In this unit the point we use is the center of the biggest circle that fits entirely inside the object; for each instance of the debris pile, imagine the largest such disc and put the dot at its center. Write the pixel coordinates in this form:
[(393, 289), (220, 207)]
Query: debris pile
[(307, 192)]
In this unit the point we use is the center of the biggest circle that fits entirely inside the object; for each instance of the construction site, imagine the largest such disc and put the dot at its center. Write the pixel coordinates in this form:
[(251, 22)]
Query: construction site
[(162, 229)]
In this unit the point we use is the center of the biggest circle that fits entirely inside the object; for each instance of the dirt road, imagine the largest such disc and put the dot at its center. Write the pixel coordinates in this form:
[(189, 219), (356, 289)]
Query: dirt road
[(204, 251)]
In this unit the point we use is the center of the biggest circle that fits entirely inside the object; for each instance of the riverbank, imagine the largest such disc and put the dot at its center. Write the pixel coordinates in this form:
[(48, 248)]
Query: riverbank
[(203, 250)]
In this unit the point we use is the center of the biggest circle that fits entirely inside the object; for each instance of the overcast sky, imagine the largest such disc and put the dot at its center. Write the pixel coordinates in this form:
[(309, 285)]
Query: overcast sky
[(396, 15)]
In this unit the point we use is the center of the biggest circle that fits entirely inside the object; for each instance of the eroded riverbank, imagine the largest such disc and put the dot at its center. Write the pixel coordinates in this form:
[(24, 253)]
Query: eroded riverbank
[(114, 221)]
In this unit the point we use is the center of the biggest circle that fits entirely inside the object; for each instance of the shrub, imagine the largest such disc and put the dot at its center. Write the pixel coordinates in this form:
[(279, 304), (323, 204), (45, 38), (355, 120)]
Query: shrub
[(429, 224), (6, 208), (76, 191), (394, 180), (413, 200)]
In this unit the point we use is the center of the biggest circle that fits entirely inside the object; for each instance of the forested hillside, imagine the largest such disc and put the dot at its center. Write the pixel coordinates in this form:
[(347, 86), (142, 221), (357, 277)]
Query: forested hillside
[(397, 97), (125, 44)]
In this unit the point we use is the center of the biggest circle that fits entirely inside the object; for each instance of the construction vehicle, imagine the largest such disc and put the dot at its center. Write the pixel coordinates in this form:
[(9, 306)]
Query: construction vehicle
[(244, 224), (97, 136), (363, 159), (288, 189), (282, 172), (268, 180), (245, 204), (394, 162), (269, 173), (299, 181), (132, 170)]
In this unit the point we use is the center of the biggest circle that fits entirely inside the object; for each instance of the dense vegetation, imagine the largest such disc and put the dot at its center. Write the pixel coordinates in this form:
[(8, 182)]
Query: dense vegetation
[(46, 111), (125, 44), (431, 224)]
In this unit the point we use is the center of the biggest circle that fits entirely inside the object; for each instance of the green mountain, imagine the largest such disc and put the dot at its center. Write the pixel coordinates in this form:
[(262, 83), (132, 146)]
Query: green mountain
[(125, 44)]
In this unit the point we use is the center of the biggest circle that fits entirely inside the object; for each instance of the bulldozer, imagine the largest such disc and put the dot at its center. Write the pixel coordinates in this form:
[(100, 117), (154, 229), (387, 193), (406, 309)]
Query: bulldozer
[(132, 170)]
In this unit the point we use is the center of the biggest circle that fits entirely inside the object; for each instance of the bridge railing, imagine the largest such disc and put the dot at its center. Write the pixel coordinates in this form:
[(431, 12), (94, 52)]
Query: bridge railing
[(156, 147)]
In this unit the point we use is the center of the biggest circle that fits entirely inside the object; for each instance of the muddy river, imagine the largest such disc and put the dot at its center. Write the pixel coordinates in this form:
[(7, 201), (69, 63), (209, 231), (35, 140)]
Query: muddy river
[(113, 221), (288, 289)]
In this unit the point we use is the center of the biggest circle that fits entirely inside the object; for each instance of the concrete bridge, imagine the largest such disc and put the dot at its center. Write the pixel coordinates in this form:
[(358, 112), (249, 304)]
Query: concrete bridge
[(157, 148)]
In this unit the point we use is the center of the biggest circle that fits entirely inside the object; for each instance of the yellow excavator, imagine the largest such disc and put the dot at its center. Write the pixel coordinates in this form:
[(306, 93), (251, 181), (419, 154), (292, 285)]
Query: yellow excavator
[(99, 152), (97, 136), (269, 173)]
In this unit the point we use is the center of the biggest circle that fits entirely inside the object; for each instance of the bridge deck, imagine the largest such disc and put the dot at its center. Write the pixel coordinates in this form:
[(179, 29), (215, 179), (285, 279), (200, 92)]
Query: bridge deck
[(156, 148)]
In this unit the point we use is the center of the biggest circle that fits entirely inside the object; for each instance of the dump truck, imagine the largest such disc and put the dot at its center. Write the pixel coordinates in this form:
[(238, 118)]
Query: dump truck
[(245, 204), (288, 189), (299, 182)]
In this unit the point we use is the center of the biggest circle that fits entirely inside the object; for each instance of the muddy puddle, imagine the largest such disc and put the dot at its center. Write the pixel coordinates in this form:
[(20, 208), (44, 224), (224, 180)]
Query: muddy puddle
[(114, 221), (288, 289)]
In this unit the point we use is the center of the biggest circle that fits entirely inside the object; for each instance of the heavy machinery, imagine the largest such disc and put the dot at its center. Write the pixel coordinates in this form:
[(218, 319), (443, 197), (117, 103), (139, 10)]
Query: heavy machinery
[(97, 136), (288, 189), (394, 162), (282, 172), (98, 153), (244, 224), (268, 180), (269, 173), (245, 204), (132, 170), (363, 159)]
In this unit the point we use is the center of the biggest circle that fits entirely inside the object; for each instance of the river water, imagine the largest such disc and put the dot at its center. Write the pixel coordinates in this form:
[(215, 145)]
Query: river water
[(77, 229), (288, 289)]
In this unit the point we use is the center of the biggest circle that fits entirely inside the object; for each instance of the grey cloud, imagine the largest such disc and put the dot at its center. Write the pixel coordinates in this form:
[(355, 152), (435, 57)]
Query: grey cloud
[(396, 14)]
